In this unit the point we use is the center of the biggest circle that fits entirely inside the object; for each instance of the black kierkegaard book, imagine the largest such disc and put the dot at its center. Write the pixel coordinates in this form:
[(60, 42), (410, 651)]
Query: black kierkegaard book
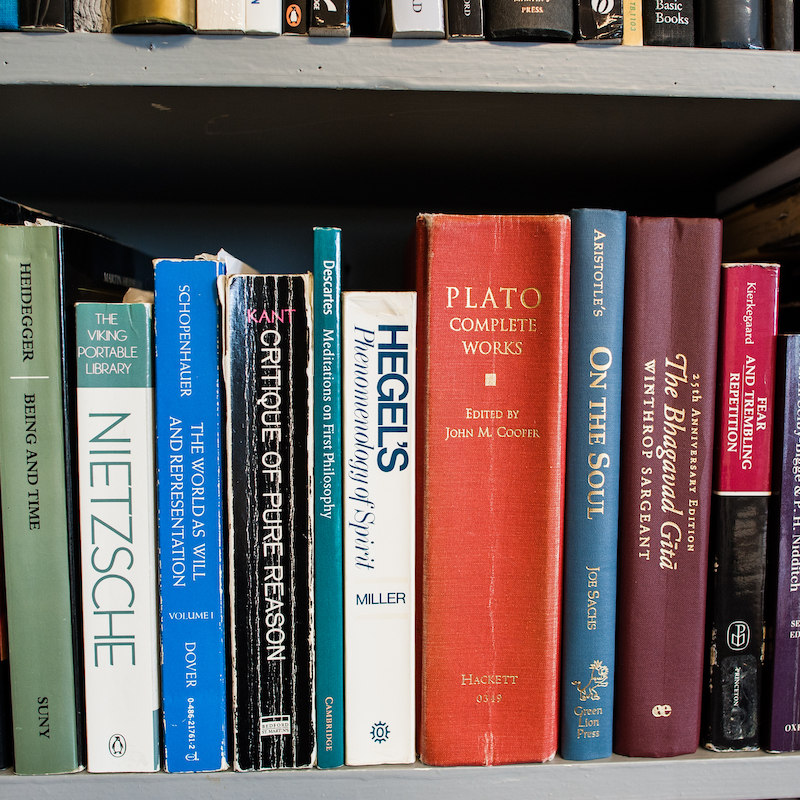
[(541, 20), (668, 22), (600, 21), (268, 371)]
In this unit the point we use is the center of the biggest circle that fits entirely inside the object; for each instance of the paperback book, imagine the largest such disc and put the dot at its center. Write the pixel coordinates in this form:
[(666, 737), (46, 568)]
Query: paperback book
[(379, 390)]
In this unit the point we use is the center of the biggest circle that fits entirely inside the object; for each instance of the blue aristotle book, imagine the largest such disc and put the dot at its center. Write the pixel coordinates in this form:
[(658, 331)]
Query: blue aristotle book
[(190, 521), (328, 497), (592, 490)]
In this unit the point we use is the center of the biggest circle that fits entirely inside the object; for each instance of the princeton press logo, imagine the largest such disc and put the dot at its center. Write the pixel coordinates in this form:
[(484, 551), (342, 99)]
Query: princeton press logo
[(117, 745), (738, 635)]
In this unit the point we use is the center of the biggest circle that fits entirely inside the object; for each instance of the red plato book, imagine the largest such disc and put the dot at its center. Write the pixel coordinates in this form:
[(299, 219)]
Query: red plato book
[(672, 290), (493, 334)]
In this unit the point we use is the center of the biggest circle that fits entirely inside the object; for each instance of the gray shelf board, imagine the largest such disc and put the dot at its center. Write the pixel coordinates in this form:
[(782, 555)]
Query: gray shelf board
[(81, 59), (702, 776)]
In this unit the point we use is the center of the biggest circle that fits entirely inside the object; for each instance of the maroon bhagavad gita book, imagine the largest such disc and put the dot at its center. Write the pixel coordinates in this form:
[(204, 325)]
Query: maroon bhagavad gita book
[(492, 349), (672, 292)]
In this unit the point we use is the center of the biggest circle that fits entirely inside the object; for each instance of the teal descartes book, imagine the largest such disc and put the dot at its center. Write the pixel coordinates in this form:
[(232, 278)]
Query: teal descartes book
[(328, 590), (592, 490)]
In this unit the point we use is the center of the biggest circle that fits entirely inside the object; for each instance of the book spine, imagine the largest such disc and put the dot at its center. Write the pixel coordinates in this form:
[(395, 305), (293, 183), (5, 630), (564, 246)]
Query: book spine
[(633, 29), (116, 463), (329, 18), (743, 464), (221, 16), (36, 507), (270, 409), (264, 17), (600, 21), (91, 16), (546, 20), (737, 24), (379, 392), (672, 283), (295, 17), (782, 706), (670, 28), (464, 19), (591, 507), (6, 718), (494, 300), (328, 565), (191, 531), (51, 16), (9, 15), (178, 14), (417, 19), (780, 24)]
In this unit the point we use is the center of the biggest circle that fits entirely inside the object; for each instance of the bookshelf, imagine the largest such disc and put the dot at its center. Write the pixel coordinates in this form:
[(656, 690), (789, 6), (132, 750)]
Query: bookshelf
[(186, 144)]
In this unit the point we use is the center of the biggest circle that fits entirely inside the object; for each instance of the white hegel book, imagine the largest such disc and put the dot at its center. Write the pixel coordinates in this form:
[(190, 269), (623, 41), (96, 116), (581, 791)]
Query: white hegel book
[(378, 396)]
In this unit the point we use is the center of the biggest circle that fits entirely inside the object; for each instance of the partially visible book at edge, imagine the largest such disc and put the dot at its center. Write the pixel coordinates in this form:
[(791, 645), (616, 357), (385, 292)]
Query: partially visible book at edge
[(153, 15), (378, 395), (672, 283), (328, 499), (45, 270), (781, 725), (269, 373), (192, 536), (116, 474), (740, 504), (737, 24), (492, 406), (6, 723), (600, 21), (546, 21), (674, 27), (591, 508), (9, 15)]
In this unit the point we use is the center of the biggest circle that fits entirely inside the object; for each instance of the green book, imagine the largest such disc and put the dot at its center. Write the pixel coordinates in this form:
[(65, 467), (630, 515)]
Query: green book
[(44, 269)]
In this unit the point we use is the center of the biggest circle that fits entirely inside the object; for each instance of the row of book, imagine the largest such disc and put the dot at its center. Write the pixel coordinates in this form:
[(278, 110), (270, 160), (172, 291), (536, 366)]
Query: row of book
[(318, 559), (749, 24)]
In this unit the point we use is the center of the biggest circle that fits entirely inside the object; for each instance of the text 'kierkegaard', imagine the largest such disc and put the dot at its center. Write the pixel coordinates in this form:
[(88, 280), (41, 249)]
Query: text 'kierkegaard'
[(391, 450), (269, 411), (493, 301)]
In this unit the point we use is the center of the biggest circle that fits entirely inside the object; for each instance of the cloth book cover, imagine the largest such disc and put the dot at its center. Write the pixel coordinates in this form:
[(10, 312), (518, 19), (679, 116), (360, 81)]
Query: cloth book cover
[(492, 372), (742, 484), (735, 24), (591, 509), (672, 288), (379, 391), (269, 374), (191, 530), (116, 476), (328, 499), (547, 20), (669, 22)]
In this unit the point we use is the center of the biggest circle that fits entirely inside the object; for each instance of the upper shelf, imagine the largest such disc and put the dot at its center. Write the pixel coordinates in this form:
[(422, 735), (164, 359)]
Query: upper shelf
[(81, 59)]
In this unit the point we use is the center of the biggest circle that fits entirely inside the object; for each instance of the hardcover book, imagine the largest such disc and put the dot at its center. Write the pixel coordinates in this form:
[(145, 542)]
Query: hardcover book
[(780, 25), (45, 269), (154, 15), (546, 20), (328, 498), (600, 21), (782, 693), (591, 508), (492, 371), (740, 503), (379, 391), (416, 19), (464, 19), (735, 24), (270, 506), (192, 535), (116, 475), (672, 283), (668, 22)]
